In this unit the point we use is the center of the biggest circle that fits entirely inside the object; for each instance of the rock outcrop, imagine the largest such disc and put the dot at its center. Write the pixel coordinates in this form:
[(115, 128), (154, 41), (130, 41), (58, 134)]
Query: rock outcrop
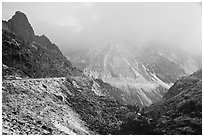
[(19, 25), (31, 54)]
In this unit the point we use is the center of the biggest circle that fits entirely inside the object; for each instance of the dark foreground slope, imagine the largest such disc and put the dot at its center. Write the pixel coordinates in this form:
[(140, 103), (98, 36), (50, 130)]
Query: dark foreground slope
[(180, 112)]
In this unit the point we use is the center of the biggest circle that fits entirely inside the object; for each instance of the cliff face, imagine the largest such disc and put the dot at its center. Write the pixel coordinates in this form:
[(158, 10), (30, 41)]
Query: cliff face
[(19, 25), (34, 55)]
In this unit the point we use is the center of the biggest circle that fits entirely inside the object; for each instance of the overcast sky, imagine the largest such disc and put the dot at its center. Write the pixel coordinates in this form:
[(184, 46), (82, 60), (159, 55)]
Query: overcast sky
[(75, 25)]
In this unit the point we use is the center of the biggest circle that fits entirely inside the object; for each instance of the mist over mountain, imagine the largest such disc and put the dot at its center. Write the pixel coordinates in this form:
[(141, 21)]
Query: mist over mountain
[(144, 74), (121, 68), (77, 25)]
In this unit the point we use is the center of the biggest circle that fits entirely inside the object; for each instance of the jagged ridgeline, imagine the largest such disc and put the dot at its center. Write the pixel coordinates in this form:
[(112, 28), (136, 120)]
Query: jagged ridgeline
[(37, 97), (34, 55), (42, 93), (144, 72)]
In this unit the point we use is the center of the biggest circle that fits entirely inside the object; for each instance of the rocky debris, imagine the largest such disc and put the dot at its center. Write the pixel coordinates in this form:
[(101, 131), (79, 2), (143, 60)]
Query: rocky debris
[(77, 104), (103, 114), (37, 106), (12, 73), (59, 106)]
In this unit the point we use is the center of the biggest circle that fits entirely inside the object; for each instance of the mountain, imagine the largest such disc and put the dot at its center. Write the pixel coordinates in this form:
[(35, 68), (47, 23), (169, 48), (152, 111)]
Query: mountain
[(42, 93), (29, 53), (181, 110), (46, 95), (144, 73), (178, 113), (19, 25)]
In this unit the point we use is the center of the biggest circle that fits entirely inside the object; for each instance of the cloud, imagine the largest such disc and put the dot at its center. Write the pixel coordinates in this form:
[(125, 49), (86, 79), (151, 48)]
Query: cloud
[(95, 18), (71, 22), (88, 4)]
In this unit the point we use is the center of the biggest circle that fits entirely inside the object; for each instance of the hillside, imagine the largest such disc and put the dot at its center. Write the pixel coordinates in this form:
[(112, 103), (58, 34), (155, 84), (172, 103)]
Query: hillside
[(31, 54), (144, 73), (37, 98), (121, 90), (179, 113)]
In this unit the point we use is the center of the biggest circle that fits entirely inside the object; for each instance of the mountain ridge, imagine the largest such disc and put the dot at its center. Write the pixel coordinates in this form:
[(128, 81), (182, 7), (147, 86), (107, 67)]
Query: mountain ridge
[(46, 95), (134, 69), (34, 53)]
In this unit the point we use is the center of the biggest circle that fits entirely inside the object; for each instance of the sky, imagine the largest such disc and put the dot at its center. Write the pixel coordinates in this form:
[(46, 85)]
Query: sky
[(73, 26)]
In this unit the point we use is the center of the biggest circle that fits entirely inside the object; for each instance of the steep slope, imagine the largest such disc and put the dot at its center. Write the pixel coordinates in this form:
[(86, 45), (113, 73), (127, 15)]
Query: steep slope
[(179, 113), (72, 105), (36, 106), (181, 110), (31, 54), (12, 73), (77, 104), (20, 26), (168, 64), (38, 99), (145, 74)]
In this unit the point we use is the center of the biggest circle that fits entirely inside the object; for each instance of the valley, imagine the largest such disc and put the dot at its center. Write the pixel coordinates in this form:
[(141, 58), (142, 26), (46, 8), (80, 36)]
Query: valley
[(111, 88)]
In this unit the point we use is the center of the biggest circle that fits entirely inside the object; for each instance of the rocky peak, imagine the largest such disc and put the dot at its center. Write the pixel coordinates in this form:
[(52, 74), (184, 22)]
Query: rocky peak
[(43, 40), (20, 25)]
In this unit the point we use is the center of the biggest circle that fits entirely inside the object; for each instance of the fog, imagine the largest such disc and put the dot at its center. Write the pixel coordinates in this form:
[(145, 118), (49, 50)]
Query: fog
[(76, 25)]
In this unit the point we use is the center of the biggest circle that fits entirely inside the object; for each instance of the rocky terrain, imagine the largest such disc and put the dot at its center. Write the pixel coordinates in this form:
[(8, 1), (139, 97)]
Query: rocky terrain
[(45, 95), (36, 99), (31, 54), (144, 74), (179, 113), (72, 105)]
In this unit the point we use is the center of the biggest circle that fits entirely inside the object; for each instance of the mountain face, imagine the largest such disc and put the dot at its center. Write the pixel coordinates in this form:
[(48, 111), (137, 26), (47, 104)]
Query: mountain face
[(31, 54), (19, 25), (178, 113), (145, 74), (45, 95), (37, 98)]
